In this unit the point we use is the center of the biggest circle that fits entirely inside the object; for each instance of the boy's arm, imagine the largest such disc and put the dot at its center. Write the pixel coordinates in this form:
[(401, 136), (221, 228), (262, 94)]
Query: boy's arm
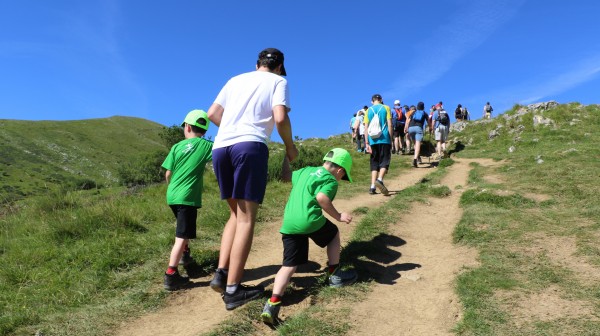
[(328, 207), (168, 174)]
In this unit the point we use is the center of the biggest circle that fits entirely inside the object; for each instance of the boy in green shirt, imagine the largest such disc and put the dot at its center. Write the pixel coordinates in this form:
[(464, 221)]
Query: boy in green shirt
[(185, 170), (313, 190)]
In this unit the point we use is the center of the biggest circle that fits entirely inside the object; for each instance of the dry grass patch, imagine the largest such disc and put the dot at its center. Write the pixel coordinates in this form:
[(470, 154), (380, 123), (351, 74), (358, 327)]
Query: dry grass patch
[(549, 304), (561, 251)]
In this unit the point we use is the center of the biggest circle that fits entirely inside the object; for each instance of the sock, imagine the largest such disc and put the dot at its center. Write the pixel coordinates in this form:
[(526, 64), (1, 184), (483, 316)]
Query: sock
[(380, 180), (231, 288), (332, 268), (171, 270), (275, 298), (372, 186)]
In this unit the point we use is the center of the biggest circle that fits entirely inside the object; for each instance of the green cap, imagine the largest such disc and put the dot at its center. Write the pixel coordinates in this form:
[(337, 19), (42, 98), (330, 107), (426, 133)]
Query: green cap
[(342, 158), (197, 118)]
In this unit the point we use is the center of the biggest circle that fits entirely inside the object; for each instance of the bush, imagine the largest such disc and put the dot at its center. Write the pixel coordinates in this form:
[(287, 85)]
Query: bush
[(143, 171), (171, 135), (307, 156)]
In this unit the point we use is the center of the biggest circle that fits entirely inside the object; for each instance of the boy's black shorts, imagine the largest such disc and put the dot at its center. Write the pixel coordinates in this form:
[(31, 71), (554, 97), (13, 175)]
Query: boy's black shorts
[(186, 220), (295, 246)]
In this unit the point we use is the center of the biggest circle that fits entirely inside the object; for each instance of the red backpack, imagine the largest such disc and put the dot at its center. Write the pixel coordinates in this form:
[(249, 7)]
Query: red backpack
[(400, 115)]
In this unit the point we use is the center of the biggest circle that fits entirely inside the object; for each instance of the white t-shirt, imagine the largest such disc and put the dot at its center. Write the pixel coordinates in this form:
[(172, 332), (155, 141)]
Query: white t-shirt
[(248, 100)]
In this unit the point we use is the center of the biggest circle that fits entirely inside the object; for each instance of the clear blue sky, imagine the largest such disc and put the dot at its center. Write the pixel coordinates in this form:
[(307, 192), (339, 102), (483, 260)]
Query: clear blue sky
[(62, 60)]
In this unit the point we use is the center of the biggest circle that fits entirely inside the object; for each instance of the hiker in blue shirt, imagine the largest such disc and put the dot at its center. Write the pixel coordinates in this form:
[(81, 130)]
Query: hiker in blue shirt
[(414, 127), (378, 138)]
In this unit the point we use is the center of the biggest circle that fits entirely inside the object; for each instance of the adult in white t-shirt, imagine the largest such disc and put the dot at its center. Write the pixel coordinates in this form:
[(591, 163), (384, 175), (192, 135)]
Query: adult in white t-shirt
[(246, 110)]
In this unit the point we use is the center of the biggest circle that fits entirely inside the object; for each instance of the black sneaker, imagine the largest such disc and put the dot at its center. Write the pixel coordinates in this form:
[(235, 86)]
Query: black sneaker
[(379, 184), (186, 260), (242, 295), (415, 163), (372, 191), (419, 159), (219, 281), (175, 281)]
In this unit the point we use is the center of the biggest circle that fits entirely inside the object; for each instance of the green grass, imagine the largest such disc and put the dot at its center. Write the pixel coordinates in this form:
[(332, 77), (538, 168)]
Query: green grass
[(98, 255), (69, 154), (503, 227), (79, 262)]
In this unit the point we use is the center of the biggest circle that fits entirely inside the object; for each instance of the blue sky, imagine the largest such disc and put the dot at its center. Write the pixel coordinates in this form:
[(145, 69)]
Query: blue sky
[(63, 60)]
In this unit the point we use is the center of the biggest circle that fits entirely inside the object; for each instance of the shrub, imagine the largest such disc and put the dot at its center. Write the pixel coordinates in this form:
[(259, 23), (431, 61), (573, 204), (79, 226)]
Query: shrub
[(171, 135), (143, 171), (307, 156)]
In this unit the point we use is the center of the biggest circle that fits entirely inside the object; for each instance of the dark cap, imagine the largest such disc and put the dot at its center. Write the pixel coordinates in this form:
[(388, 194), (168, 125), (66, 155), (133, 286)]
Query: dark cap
[(274, 54), (376, 96)]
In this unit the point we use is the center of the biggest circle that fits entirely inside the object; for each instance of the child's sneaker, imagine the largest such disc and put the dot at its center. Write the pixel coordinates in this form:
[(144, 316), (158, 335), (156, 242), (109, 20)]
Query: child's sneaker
[(242, 295), (372, 191), (270, 312), (381, 186), (175, 281), (341, 278), (219, 281)]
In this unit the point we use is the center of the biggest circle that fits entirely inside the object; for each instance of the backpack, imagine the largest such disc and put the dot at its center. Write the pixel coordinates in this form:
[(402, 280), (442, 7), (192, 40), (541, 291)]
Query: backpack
[(488, 108), (443, 118), (400, 115), (374, 129)]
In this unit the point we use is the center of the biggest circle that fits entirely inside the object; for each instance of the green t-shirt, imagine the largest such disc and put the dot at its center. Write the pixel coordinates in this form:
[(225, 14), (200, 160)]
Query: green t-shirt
[(303, 214), (186, 161)]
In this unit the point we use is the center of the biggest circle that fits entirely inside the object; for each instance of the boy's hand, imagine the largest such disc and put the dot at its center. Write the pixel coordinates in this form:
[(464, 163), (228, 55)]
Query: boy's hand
[(345, 217)]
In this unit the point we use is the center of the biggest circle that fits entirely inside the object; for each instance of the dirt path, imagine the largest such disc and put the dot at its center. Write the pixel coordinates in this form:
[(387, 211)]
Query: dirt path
[(423, 299)]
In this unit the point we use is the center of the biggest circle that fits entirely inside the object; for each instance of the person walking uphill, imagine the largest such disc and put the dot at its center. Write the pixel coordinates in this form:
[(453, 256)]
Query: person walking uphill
[(313, 190), (246, 110), (442, 129), (487, 111), (414, 127), (184, 175), (378, 139)]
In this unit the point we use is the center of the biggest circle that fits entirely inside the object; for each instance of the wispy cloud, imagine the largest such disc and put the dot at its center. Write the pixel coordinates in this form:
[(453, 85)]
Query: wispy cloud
[(465, 30), (581, 72)]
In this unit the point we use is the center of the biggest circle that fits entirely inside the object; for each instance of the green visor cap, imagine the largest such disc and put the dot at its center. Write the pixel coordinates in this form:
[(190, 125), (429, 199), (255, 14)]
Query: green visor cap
[(342, 158), (197, 118)]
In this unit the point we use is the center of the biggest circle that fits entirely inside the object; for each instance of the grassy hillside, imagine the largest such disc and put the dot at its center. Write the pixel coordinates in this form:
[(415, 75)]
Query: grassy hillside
[(39, 155), (534, 220), (77, 262)]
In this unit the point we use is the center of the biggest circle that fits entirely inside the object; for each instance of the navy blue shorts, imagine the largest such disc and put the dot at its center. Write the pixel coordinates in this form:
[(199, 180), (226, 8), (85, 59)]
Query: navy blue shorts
[(241, 170), (295, 246), (186, 220)]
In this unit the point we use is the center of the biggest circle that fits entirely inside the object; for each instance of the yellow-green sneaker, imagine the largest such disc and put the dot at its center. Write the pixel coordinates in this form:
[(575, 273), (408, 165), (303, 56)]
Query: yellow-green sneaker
[(270, 312)]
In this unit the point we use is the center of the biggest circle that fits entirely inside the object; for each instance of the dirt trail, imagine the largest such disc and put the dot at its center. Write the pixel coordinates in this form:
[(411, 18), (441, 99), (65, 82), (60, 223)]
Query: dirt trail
[(423, 300)]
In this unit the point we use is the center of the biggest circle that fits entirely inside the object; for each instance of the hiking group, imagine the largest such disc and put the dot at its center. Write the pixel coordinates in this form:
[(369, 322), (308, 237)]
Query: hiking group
[(246, 110), (383, 132)]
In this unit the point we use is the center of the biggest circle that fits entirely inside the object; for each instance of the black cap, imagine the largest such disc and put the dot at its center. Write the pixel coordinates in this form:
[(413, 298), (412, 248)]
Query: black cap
[(274, 54), (376, 96)]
